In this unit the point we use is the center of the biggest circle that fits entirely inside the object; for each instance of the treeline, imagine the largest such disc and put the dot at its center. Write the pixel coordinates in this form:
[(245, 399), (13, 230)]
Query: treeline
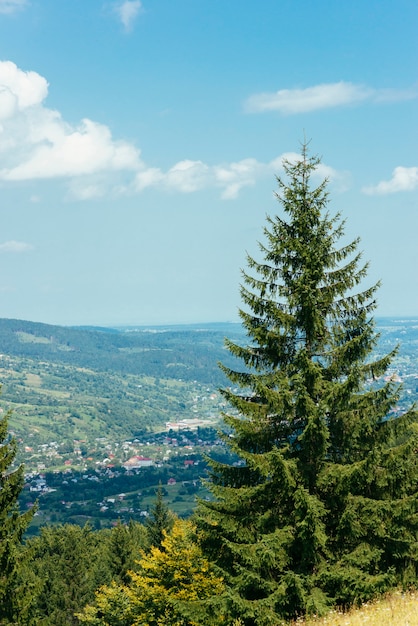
[(64, 574)]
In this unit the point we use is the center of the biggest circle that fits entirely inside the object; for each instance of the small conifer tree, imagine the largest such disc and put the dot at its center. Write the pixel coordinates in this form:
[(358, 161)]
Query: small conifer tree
[(160, 521), (123, 546), (13, 600), (322, 508)]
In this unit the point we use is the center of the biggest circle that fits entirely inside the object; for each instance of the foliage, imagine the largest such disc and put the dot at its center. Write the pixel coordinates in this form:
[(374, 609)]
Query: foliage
[(123, 545), (160, 522), (322, 508), (173, 586), (14, 601), (69, 562)]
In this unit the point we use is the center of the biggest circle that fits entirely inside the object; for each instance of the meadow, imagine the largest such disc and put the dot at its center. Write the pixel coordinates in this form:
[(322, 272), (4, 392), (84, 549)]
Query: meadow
[(397, 609)]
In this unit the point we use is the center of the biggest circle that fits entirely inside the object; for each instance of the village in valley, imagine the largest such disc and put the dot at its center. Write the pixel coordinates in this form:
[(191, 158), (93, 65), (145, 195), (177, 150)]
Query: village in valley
[(126, 476), (103, 479)]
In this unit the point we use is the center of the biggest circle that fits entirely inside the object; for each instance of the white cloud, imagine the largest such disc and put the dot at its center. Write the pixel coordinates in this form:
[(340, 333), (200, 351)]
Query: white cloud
[(128, 11), (234, 176), (15, 246), (403, 179), (324, 96), (11, 6), (189, 176), (149, 177), (87, 149), (86, 189), (35, 142), (19, 90)]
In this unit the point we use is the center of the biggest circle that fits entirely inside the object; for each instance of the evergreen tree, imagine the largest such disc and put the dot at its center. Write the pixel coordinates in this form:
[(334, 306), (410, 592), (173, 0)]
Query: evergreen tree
[(160, 521), (124, 545), (69, 562), (322, 508), (13, 600)]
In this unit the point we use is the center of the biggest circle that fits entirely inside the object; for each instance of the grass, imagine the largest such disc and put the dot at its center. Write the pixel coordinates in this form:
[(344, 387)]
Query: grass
[(397, 609)]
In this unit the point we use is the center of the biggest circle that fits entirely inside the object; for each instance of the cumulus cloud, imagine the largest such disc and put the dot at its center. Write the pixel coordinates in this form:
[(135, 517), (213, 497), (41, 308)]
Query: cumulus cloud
[(128, 11), (35, 142), (8, 7), (403, 179), (19, 90), (87, 149), (190, 176), (324, 96), (15, 246)]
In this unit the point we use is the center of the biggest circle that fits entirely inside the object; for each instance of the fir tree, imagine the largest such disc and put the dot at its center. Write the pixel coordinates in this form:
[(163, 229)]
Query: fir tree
[(13, 600), (160, 521), (69, 562), (322, 510), (124, 544)]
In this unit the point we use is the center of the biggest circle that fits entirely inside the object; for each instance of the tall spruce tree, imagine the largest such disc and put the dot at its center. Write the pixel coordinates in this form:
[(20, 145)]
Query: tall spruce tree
[(14, 599), (322, 510)]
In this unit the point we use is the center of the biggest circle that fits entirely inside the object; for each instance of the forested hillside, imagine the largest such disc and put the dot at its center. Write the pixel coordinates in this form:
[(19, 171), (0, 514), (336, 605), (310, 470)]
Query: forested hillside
[(66, 384), (189, 353)]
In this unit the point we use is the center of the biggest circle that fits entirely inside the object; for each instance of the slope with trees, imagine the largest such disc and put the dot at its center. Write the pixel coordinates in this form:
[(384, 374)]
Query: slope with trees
[(322, 508), (14, 596), (174, 585), (183, 352)]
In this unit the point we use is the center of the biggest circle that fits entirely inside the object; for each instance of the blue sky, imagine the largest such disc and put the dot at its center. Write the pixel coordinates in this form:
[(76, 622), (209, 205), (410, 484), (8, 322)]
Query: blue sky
[(139, 142)]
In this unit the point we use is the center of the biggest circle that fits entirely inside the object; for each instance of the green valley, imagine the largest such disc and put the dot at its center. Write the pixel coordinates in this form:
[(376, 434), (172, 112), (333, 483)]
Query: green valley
[(70, 385), (85, 402)]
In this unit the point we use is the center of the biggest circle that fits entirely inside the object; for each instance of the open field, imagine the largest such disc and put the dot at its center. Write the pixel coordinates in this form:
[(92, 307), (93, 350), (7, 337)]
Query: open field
[(398, 609)]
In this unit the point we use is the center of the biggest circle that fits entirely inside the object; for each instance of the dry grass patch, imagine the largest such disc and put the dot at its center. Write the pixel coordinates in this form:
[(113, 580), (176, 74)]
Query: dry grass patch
[(397, 609)]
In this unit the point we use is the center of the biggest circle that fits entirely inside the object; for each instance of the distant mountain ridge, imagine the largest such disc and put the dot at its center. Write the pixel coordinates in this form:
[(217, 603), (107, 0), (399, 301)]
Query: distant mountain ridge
[(187, 351), (190, 352)]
